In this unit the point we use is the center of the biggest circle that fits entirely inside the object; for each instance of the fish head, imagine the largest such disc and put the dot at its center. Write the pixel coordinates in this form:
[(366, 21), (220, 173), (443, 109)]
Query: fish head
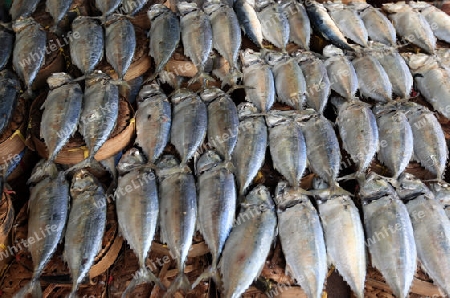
[(277, 117), (274, 58), (400, 6), (149, 91), (114, 18), (22, 23), (286, 196), (182, 95), (332, 51), (42, 170), (96, 78), (58, 79), (419, 4), (246, 109), (210, 94), (83, 20), (157, 10), (130, 160), (374, 186), (261, 4), (212, 6), (167, 162), (359, 6), (207, 161), (409, 187), (187, 7), (419, 62), (259, 197), (82, 181), (441, 191), (250, 57)]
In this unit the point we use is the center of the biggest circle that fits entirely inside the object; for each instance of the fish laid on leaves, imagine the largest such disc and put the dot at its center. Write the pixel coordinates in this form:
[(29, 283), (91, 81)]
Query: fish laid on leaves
[(287, 146), (48, 210), (349, 22), (107, 7), (29, 50), (7, 37), (389, 234), (248, 19), (189, 123), (197, 37), (344, 236), (62, 111), (153, 121), (137, 211), (249, 243), (378, 26), (324, 24), (85, 226), (22, 8), (396, 138), (249, 154), (318, 85), (299, 24), (9, 89), (217, 197), (358, 130), (411, 25), (120, 44), (431, 229), (57, 9), (290, 83), (178, 213), (341, 72), (86, 53), (441, 192), (438, 20), (274, 23), (306, 263), (259, 77), (223, 121)]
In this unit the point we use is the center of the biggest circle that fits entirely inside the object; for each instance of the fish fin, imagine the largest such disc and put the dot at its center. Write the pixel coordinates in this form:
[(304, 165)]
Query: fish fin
[(211, 272), (181, 282), (33, 288), (142, 276)]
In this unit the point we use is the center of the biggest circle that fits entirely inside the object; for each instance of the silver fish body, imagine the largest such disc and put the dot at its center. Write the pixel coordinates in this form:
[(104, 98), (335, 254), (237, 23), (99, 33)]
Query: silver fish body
[(441, 192), (22, 8), (189, 123), (307, 262), (439, 22), (120, 45), (299, 24), (6, 50), (86, 53), (57, 9), (396, 141), (62, 111), (287, 147), (107, 7), (131, 7), (373, 80), (85, 226), (223, 122), (9, 87), (349, 23), (165, 35), (153, 121), (29, 50), (274, 24), (249, 243), (249, 153), (359, 133), (378, 26), (248, 19)]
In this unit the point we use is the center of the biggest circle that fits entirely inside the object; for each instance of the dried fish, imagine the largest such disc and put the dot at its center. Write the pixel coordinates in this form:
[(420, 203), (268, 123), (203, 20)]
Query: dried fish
[(107, 7), (131, 7), (248, 19), (299, 24), (7, 38), (441, 192), (57, 9), (378, 26), (438, 20), (22, 8), (274, 23), (9, 87), (349, 22)]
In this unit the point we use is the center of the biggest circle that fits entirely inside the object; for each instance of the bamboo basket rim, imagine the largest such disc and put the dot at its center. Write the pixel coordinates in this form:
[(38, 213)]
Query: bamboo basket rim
[(15, 143)]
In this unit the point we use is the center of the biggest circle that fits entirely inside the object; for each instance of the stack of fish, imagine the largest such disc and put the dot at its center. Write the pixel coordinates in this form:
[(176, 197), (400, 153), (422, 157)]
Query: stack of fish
[(219, 143)]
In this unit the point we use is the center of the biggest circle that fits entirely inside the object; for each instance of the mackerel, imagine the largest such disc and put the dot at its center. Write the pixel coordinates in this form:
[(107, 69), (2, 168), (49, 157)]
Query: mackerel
[(107, 7), (9, 87), (349, 22), (299, 24), (57, 9), (441, 192), (6, 50), (274, 23), (438, 20), (22, 8), (378, 26), (248, 19)]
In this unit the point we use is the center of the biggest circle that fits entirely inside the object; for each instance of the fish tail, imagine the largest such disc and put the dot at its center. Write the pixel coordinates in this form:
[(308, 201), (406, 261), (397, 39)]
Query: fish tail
[(86, 163), (180, 283), (201, 75), (73, 294), (121, 82), (211, 272), (142, 276), (33, 288)]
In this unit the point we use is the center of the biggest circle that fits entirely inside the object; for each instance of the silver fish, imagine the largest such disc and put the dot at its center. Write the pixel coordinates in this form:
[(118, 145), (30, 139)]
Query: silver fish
[(29, 50), (359, 132), (341, 72), (287, 146), (259, 76), (86, 53), (196, 35), (299, 24), (107, 7), (189, 123), (120, 44), (226, 32), (248, 156), (223, 121), (344, 236), (57, 10), (131, 7), (378, 26), (153, 121), (22, 8), (438, 20), (322, 147), (85, 227), (389, 234), (373, 80), (307, 263), (431, 230), (249, 243), (274, 23), (62, 111), (318, 85), (217, 198), (411, 26), (165, 35), (9, 87), (137, 212), (290, 83), (349, 22), (6, 50), (248, 19), (430, 146), (100, 111), (322, 22), (48, 210), (441, 192), (178, 213), (396, 139)]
